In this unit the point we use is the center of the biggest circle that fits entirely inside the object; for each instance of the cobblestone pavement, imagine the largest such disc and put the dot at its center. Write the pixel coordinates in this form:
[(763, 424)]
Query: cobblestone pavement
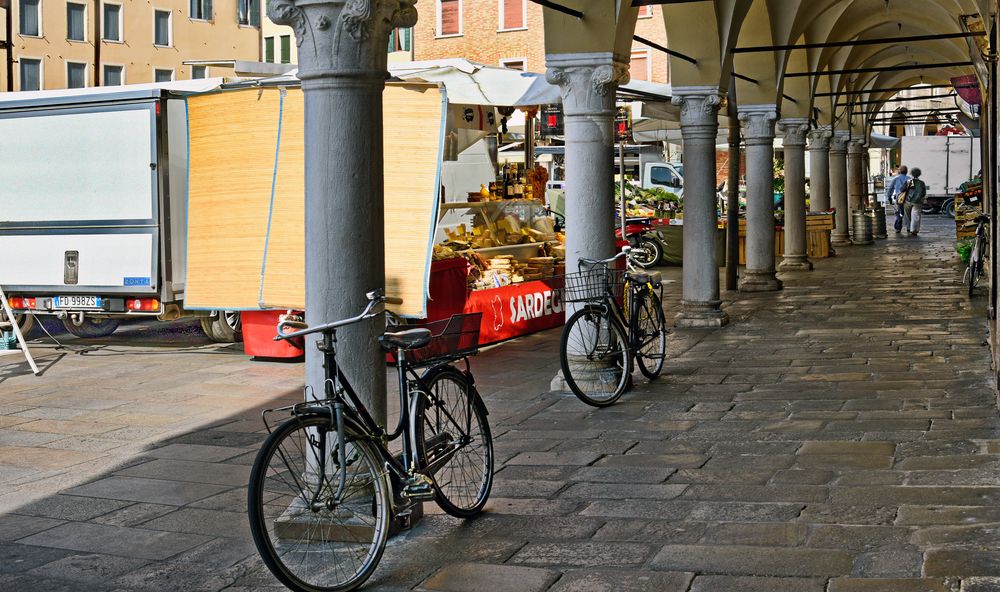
[(839, 436)]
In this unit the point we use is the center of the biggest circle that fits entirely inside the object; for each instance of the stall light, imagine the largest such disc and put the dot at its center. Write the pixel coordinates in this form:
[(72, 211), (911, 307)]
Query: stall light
[(21, 302), (143, 304)]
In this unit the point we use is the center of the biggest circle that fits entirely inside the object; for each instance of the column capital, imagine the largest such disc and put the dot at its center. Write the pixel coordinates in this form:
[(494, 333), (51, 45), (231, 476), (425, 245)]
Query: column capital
[(819, 138), (759, 123), (587, 81), (699, 111), (794, 130), (839, 141), (342, 38), (856, 146)]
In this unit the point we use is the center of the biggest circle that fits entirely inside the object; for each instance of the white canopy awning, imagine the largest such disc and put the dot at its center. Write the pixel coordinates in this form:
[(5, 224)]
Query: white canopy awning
[(469, 83)]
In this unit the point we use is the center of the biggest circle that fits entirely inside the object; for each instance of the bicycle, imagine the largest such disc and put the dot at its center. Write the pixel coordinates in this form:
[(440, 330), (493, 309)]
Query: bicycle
[(978, 254), (325, 485), (621, 321)]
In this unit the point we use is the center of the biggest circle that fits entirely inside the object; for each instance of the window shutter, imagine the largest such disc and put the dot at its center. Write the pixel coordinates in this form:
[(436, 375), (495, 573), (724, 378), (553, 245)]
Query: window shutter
[(513, 14), (254, 13), (638, 68), (449, 17), (208, 9)]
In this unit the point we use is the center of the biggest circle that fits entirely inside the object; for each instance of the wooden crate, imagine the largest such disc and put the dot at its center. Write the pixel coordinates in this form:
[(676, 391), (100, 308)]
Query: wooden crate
[(818, 232)]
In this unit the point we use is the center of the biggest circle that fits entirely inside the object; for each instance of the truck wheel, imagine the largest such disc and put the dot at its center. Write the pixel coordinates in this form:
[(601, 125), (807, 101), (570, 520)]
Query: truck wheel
[(949, 208), (224, 327), (25, 321), (91, 328)]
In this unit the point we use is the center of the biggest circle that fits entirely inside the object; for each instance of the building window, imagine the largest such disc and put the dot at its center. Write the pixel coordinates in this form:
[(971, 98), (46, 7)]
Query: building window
[(400, 39), (114, 75), (76, 75), (112, 22), (163, 75), (30, 19), (515, 63), (201, 10), (248, 12), (161, 28), (199, 72), (513, 15), (286, 49), (449, 17), (269, 49), (638, 68), (31, 73), (645, 11), (76, 22)]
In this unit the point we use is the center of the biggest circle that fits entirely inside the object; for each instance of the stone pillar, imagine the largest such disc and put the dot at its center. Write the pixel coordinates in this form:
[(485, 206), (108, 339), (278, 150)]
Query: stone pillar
[(838, 189), (587, 83), (758, 121), (700, 304), (795, 258), (342, 65), (819, 170), (855, 176)]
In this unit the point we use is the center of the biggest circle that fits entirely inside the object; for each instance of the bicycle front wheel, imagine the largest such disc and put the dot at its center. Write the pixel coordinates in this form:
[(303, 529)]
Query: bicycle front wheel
[(595, 357), (456, 446), (651, 334), (311, 539)]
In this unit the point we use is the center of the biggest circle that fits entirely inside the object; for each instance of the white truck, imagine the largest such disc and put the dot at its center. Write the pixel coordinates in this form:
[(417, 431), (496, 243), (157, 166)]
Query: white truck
[(93, 207), (646, 160), (944, 161)]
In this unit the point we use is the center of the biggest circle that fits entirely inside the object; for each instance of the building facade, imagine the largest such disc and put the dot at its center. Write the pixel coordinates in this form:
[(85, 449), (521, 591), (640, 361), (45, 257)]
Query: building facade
[(72, 44), (510, 33)]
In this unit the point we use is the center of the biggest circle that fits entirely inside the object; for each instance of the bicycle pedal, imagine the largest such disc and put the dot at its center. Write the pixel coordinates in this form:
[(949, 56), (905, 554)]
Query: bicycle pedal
[(419, 488)]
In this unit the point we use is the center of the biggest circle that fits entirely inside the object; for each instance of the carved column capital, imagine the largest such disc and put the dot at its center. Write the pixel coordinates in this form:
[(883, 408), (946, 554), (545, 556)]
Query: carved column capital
[(699, 111), (856, 146), (819, 139), (758, 121), (587, 82), (342, 37), (795, 131), (838, 142)]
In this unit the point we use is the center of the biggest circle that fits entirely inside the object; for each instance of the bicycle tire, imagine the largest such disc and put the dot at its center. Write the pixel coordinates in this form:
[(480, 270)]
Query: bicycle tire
[(303, 548), (462, 484), (604, 345), (650, 359), (975, 265)]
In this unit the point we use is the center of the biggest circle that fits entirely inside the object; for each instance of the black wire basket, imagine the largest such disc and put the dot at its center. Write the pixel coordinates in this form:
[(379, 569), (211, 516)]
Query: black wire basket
[(451, 338), (593, 285)]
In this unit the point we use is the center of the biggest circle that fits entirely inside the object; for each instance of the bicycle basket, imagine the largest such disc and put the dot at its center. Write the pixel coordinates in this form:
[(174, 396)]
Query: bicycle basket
[(593, 285), (451, 338)]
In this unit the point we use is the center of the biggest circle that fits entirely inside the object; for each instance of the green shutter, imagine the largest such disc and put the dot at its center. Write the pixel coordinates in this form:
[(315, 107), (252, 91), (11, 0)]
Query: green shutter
[(286, 49), (254, 13), (269, 49)]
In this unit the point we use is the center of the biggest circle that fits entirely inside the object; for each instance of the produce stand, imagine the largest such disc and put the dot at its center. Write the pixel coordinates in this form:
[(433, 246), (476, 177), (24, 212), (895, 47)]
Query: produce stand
[(970, 197), (819, 227)]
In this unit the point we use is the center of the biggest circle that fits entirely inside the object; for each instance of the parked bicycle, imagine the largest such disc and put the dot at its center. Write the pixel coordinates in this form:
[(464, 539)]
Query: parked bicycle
[(620, 321), (325, 485), (977, 256)]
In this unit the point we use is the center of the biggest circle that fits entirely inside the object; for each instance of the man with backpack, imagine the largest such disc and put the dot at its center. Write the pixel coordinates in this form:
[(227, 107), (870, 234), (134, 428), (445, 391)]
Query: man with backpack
[(913, 204), (895, 193)]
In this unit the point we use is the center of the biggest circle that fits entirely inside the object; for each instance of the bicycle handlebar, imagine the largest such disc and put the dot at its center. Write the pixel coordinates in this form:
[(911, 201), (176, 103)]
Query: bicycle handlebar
[(626, 251), (375, 298)]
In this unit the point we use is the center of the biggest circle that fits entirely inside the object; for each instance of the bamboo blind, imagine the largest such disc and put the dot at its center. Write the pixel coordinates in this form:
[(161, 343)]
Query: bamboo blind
[(232, 164)]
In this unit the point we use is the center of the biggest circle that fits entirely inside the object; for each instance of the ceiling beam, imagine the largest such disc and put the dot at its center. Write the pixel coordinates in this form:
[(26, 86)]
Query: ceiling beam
[(899, 68), (898, 88), (665, 50), (920, 98), (559, 8), (949, 110), (856, 42)]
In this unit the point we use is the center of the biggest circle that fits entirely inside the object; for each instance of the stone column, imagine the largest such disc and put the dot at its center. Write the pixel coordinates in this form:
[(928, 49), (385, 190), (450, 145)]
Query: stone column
[(342, 65), (855, 176), (795, 258), (758, 122), (838, 188), (700, 304), (819, 170), (587, 83)]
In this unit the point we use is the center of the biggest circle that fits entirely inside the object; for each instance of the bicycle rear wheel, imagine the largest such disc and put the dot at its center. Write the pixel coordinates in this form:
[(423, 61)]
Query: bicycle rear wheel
[(455, 440), (651, 329), (595, 356), (975, 266), (310, 541)]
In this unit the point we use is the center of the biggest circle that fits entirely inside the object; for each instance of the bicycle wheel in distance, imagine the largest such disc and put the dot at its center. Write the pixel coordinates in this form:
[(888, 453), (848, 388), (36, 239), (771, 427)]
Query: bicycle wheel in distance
[(651, 334), (310, 542), (595, 357), (975, 266), (455, 437)]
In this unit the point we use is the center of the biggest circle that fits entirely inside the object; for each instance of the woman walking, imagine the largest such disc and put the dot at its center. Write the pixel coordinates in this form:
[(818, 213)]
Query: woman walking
[(915, 198)]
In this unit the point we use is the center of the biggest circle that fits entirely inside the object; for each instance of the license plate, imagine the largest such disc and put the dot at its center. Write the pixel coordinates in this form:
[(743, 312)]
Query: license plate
[(77, 302)]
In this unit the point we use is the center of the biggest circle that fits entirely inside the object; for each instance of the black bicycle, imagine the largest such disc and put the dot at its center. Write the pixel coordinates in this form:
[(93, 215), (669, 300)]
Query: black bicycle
[(620, 320), (977, 256), (325, 485)]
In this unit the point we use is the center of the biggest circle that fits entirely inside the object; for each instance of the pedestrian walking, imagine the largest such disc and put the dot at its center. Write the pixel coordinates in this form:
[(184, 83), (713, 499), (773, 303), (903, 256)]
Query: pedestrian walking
[(896, 186), (914, 202)]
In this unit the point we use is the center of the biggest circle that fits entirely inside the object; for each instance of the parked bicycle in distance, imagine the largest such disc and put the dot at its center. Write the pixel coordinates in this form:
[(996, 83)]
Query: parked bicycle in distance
[(620, 320), (974, 272), (325, 487)]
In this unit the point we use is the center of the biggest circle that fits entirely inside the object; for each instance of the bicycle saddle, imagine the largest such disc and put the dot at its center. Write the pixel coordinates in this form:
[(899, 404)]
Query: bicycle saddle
[(647, 277), (408, 339)]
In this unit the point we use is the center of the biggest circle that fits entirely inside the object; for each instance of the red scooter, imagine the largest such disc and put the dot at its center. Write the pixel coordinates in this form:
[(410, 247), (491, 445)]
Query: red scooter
[(647, 242)]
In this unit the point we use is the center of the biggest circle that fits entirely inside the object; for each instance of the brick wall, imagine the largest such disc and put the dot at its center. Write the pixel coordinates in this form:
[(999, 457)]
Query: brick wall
[(722, 166)]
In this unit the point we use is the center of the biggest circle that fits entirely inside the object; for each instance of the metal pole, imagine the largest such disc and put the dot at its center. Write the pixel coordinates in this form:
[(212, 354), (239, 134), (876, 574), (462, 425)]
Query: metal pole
[(621, 184), (733, 192)]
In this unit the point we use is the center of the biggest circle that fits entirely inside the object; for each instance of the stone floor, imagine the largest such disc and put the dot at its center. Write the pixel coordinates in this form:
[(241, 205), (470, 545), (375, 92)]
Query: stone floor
[(839, 436)]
